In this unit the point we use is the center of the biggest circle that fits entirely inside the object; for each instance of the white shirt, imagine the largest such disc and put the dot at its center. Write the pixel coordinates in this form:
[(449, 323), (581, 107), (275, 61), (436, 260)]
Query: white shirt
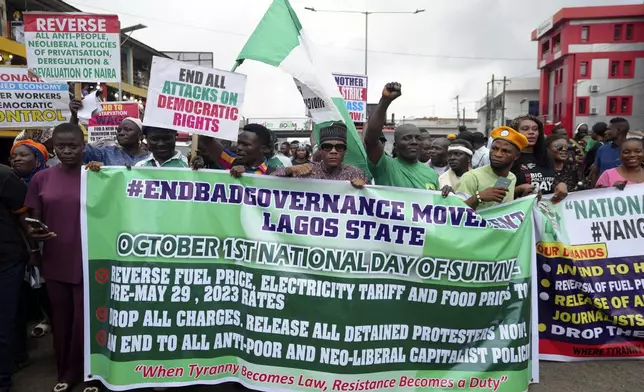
[(481, 157), (439, 170), (285, 161)]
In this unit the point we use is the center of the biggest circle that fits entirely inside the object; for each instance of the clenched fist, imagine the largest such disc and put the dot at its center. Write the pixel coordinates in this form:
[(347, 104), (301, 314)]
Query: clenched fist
[(391, 91)]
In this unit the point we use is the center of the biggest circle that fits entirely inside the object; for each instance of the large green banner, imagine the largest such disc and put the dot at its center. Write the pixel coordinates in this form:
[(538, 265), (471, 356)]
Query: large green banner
[(302, 285)]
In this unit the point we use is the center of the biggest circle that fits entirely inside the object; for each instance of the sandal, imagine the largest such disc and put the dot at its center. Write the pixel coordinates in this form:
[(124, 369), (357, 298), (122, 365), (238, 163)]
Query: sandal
[(61, 387), (41, 330)]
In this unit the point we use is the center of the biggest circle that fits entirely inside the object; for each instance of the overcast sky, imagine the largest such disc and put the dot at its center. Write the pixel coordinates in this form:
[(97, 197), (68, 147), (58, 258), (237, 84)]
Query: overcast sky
[(453, 48)]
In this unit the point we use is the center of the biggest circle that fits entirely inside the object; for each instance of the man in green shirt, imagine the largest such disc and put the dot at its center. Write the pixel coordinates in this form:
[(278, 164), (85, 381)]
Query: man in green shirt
[(404, 171), (493, 184), (161, 144)]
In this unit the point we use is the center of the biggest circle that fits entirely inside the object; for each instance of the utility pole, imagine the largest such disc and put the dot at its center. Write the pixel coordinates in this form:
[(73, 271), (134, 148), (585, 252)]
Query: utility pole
[(458, 112), (503, 102), (464, 117), (489, 98), (366, 41)]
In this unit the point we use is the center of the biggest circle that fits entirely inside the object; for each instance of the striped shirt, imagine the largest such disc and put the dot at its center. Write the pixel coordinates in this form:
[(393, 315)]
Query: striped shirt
[(228, 159)]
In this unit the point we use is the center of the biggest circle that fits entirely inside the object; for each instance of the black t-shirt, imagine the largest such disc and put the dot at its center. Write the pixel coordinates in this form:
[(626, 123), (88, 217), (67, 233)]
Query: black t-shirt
[(529, 172), (12, 198)]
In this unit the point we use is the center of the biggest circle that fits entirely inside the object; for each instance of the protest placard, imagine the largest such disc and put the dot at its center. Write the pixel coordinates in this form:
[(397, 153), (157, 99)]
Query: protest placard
[(354, 91), (590, 262), (286, 285), (73, 47), (104, 125), (194, 99), (28, 102)]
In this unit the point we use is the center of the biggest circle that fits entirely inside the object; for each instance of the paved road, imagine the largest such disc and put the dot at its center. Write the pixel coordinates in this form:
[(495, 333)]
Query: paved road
[(606, 376)]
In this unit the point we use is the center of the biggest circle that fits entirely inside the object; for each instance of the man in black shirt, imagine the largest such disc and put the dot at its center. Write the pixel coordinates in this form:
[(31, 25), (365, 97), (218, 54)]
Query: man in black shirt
[(13, 256)]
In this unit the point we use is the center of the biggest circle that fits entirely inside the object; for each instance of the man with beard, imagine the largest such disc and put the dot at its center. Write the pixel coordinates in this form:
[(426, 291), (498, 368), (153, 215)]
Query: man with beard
[(494, 184), (438, 155), (403, 171)]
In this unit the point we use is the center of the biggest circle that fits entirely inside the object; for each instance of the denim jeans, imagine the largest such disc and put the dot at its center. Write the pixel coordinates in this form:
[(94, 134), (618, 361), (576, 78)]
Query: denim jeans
[(11, 277)]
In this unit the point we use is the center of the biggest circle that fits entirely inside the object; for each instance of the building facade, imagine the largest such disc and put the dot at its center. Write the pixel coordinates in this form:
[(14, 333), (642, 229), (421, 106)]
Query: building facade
[(591, 61), (520, 97)]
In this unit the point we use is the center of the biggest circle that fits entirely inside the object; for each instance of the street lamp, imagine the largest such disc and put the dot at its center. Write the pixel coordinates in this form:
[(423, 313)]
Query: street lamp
[(366, 24)]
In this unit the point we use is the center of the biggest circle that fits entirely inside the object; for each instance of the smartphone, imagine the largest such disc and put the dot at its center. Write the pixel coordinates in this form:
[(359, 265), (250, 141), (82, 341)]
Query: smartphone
[(36, 224), (502, 182)]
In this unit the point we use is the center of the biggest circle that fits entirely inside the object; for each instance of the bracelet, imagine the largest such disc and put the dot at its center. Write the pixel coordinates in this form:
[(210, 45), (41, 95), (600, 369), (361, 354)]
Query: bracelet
[(478, 197), (35, 251)]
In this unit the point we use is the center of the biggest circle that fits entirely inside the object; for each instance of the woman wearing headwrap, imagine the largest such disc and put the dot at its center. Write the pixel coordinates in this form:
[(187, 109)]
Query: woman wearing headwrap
[(28, 158), (42, 136), (127, 152)]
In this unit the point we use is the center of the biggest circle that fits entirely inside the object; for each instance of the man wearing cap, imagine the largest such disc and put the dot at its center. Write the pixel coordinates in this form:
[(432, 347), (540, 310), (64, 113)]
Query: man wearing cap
[(494, 184), (403, 171), (332, 148)]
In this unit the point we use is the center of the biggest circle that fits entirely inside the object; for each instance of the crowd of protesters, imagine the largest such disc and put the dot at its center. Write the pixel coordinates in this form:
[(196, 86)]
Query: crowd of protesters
[(40, 234)]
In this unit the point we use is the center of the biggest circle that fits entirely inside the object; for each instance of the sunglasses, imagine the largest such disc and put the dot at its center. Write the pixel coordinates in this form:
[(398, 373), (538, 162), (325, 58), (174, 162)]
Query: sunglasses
[(338, 147), (561, 147)]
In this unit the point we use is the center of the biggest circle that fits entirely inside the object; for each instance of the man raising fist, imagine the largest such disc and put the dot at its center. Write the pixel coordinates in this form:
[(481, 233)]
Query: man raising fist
[(404, 171)]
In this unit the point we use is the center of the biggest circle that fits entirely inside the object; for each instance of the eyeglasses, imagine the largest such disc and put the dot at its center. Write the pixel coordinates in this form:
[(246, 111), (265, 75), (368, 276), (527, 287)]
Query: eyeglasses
[(327, 147), (561, 147)]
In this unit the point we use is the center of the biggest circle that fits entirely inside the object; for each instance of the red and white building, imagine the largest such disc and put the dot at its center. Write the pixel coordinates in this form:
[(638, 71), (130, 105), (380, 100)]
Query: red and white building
[(592, 65)]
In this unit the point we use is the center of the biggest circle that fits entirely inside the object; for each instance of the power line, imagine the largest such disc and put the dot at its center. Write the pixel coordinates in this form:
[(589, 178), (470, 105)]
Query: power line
[(423, 55), (620, 88)]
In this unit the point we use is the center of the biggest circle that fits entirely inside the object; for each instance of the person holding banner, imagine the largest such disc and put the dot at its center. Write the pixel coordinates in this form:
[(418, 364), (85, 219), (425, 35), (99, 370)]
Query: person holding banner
[(535, 167), (162, 145), (53, 198), (490, 185), (404, 171), (129, 150), (631, 171), (252, 145), (333, 146)]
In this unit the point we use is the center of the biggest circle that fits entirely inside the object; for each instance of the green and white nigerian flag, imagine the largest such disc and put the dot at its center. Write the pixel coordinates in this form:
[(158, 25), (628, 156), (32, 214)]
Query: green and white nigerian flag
[(279, 40)]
